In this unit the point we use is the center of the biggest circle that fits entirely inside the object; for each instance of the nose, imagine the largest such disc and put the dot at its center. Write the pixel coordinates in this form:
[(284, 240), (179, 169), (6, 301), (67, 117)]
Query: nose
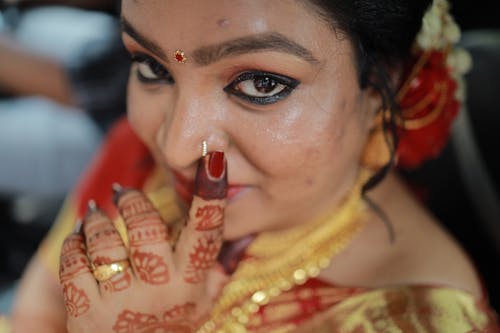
[(190, 120)]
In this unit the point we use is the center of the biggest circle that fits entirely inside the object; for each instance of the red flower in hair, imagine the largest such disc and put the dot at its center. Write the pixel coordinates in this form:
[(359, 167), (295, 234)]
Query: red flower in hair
[(428, 109)]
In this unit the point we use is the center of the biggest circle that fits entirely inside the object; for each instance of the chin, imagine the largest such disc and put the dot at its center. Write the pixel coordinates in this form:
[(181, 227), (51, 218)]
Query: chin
[(233, 227)]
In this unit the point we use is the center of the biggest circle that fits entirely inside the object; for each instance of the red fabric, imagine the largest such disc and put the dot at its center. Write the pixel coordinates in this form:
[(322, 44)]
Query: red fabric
[(122, 159), (311, 299)]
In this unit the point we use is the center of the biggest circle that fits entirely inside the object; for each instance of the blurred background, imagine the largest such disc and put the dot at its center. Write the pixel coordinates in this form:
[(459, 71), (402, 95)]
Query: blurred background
[(63, 76)]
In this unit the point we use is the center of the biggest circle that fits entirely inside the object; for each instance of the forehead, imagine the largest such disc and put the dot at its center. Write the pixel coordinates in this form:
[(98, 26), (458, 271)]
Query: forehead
[(191, 23)]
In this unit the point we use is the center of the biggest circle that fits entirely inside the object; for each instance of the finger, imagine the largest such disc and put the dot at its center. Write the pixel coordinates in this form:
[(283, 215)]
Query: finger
[(105, 247), (78, 284), (201, 240), (150, 251)]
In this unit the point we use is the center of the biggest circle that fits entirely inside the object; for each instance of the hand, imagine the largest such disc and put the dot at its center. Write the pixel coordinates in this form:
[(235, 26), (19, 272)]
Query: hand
[(161, 288)]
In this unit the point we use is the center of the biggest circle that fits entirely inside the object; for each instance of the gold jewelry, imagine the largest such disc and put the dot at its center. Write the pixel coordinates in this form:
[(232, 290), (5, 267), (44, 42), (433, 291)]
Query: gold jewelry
[(281, 260), (107, 271), (180, 56), (204, 148), (439, 34), (378, 148)]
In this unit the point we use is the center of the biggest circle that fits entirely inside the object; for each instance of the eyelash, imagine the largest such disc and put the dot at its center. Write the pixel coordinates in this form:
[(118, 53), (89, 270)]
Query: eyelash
[(274, 80), (261, 80), (162, 75)]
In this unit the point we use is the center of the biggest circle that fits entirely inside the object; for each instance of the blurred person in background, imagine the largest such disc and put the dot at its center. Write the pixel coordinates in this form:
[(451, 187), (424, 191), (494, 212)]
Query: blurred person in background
[(63, 74)]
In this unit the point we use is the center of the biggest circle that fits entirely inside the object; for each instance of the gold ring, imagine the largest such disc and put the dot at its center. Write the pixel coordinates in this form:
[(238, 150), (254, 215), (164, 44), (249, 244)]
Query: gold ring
[(107, 271)]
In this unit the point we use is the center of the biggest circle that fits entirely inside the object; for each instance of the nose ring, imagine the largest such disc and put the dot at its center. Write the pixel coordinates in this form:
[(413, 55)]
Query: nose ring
[(204, 148)]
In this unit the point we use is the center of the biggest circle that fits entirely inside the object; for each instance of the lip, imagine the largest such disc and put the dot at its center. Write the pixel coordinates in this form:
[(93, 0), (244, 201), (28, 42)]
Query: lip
[(184, 188)]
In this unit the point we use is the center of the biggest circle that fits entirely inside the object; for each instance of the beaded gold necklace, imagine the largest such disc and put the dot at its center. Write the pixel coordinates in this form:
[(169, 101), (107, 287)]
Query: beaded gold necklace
[(281, 260)]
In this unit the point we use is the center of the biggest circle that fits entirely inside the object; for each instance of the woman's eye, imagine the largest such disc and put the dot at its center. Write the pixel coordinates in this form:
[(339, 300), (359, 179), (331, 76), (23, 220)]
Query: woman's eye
[(149, 70), (261, 88)]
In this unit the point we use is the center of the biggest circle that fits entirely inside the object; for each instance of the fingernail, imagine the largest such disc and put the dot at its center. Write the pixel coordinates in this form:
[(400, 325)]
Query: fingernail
[(211, 177), (92, 206), (78, 226), (117, 188), (117, 192), (216, 165)]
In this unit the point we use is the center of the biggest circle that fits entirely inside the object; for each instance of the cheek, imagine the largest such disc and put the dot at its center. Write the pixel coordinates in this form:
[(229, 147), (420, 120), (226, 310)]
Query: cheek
[(315, 148)]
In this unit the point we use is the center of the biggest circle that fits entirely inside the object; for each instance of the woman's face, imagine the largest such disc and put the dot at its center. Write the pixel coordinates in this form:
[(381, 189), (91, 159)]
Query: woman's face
[(267, 82)]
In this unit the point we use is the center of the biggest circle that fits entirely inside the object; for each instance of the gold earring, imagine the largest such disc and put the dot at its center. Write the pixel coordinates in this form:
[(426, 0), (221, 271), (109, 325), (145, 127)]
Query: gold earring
[(377, 152), (204, 148)]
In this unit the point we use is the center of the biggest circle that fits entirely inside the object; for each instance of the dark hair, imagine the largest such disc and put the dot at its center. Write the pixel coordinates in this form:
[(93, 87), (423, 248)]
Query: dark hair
[(382, 33)]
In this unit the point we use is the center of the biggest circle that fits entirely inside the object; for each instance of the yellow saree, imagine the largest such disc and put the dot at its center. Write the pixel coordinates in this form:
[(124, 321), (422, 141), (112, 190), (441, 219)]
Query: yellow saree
[(305, 304)]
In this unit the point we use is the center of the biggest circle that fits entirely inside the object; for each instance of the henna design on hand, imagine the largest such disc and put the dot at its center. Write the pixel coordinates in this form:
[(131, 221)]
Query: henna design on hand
[(176, 320), (73, 258), (144, 224), (129, 322), (202, 257), (76, 300), (101, 235), (150, 268), (134, 204), (209, 217), (180, 312)]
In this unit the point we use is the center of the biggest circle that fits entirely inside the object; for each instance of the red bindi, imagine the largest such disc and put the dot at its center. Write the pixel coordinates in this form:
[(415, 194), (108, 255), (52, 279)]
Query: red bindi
[(180, 57)]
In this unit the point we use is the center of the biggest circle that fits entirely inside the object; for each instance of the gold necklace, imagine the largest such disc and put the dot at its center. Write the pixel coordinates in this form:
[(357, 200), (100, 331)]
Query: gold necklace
[(278, 264)]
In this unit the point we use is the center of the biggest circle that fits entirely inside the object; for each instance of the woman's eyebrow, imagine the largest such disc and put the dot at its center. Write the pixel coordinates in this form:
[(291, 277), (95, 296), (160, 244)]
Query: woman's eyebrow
[(145, 42), (205, 55), (270, 41)]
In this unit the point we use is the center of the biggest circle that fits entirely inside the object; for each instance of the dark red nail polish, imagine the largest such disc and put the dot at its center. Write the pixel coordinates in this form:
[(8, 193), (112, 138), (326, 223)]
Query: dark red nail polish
[(216, 164), (211, 177)]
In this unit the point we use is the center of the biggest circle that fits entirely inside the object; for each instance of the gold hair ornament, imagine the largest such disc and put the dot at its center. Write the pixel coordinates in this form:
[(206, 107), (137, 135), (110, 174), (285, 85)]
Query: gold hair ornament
[(431, 94), (439, 33)]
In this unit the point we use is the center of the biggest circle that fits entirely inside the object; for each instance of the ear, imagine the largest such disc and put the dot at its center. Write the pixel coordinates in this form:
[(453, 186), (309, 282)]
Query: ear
[(379, 145)]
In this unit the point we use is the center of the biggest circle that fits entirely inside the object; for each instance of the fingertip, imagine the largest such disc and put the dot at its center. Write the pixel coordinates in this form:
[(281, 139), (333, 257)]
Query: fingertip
[(211, 176), (78, 227), (216, 165), (73, 258), (117, 192), (92, 206)]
